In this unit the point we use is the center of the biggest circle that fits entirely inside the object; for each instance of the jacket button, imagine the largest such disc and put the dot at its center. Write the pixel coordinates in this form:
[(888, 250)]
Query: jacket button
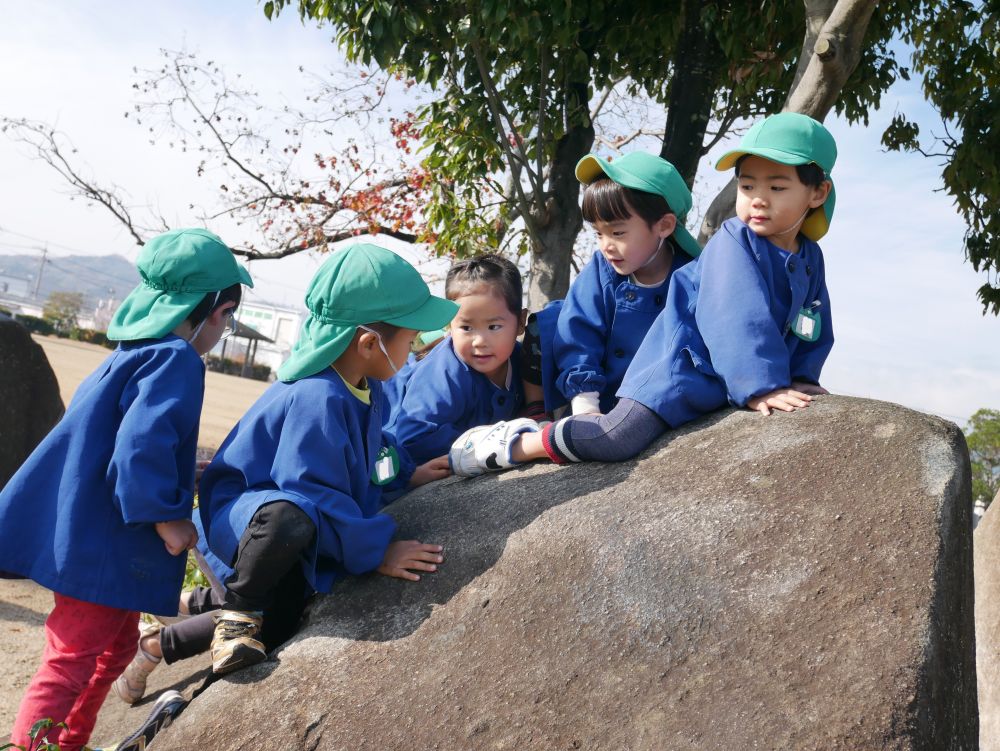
[(788, 327), (791, 266), (809, 270), (501, 400), (630, 296), (658, 299), (619, 352)]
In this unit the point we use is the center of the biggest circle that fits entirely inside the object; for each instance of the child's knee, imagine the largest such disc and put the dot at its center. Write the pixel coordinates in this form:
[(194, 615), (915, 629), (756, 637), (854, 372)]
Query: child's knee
[(290, 524)]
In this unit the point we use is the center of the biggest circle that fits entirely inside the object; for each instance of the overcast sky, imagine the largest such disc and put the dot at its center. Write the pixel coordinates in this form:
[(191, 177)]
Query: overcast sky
[(908, 326)]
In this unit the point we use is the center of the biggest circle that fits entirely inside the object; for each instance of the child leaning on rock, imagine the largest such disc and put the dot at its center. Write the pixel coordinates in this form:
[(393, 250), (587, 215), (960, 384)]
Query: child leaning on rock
[(100, 513), (747, 324), (293, 498), (471, 378)]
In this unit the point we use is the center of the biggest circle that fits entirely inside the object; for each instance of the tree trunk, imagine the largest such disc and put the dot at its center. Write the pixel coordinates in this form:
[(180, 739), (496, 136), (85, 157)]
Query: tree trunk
[(557, 230), (831, 50), (692, 93)]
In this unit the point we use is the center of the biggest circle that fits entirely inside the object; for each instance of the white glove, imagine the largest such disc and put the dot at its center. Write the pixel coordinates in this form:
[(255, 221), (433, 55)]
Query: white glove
[(587, 403)]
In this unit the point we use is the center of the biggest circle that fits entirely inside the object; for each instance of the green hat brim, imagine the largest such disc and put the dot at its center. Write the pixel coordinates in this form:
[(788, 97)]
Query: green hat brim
[(434, 313), (149, 313), (320, 343)]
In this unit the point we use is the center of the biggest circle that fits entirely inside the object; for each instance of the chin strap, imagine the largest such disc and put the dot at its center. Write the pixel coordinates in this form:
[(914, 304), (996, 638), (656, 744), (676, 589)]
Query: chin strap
[(794, 227), (381, 347), (652, 258)]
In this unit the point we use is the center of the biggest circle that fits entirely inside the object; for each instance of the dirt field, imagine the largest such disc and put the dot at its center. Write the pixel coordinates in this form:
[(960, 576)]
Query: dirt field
[(24, 605), (226, 397)]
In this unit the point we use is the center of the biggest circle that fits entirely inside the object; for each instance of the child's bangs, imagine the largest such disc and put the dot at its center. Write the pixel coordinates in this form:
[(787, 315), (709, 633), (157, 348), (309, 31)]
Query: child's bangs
[(604, 201)]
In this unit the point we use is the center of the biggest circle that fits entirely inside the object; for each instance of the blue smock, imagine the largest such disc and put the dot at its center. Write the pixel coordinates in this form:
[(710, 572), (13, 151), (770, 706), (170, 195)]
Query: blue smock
[(601, 324), (393, 388), (725, 335), (313, 443), (78, 517), (444, 397)]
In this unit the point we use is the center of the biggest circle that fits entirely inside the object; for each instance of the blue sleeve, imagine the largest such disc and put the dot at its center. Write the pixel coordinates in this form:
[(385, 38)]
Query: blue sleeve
[(433, 412), (160, 407), (316, 460), (581, 334), (395, 488), (808, 357), (734, 317)]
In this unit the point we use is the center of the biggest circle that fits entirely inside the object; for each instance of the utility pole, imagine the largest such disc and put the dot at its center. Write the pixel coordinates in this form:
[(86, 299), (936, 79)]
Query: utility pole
[(41, 267)]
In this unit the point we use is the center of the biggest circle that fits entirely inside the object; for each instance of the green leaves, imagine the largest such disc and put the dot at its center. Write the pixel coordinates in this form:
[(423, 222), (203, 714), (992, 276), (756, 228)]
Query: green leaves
[(983, 437)]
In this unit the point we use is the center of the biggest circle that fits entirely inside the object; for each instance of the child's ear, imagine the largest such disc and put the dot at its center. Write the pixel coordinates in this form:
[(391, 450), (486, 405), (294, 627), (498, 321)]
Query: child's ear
[(522, 321), (366, 344), (665, 225), (820, 193)]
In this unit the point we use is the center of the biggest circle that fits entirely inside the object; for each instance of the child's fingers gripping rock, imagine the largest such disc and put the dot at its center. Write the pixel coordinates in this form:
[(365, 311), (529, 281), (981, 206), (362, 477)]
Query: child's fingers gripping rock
[(404, 555)]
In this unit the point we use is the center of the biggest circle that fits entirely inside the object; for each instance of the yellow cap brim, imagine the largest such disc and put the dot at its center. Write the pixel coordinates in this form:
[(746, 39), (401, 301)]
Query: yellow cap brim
[(589, 169)]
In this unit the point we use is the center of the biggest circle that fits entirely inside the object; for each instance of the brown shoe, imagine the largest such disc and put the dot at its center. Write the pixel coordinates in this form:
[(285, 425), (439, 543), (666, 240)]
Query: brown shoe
[(235, 645)]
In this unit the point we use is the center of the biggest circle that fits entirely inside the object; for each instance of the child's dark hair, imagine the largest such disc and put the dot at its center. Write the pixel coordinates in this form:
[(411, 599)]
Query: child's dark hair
[(810, 174), (604, 200), (386, 330), (489, 269), (210, 303)]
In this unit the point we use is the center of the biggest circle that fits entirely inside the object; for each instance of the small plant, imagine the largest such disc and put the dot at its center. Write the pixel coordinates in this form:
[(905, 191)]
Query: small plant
[(39, 737)]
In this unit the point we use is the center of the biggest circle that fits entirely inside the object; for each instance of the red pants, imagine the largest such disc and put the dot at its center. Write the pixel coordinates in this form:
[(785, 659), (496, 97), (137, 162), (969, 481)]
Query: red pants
[(87, 647)]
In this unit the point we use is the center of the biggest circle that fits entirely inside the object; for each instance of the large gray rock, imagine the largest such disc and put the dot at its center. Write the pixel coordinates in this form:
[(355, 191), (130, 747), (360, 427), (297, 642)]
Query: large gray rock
[(987, 567), (29, 397), (800, 581)]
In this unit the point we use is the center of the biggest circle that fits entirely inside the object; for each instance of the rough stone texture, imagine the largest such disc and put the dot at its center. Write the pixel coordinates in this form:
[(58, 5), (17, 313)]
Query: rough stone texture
[(794, 582), (29, 397), (987, 567)]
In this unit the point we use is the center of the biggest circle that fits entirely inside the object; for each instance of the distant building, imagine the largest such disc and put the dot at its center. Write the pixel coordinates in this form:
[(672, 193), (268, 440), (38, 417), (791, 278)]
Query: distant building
[(279, 323), (14, 286)]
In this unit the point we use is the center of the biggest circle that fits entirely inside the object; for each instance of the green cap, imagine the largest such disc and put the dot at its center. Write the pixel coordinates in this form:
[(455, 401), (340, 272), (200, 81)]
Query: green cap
[(651, 174), (178, 268), (432, 336), (792, 138), (357, 285)]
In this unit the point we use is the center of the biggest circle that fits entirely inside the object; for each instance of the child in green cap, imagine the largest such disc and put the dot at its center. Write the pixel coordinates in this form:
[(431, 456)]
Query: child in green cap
[(292, 499), (100, 513), (748, 324), (578, 350)]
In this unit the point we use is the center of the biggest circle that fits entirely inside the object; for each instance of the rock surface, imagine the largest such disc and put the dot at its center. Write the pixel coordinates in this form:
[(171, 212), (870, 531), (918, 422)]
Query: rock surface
[(800, 581), (987, 568), (29, 397)]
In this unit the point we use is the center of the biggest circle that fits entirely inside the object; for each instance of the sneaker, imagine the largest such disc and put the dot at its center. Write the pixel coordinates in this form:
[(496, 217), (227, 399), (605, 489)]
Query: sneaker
[(131, 684), (165, 710), (234, 645), (487, 448)]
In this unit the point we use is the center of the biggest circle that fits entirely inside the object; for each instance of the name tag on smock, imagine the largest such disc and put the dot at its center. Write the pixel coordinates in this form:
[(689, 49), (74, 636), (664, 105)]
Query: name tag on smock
[(386, 466), (806, 325)]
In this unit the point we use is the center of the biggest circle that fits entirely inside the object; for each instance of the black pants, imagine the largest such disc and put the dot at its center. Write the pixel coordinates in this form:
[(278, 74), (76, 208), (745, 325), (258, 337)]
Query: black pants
[(267, 577)]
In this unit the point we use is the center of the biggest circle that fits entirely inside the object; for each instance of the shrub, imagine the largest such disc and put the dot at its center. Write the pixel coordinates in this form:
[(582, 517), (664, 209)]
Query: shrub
[(89, 335), (235, 367), (36, 325)]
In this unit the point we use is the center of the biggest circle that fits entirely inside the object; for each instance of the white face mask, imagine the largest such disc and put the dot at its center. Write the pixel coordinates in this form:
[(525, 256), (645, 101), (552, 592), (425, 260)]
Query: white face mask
[(381, 347)]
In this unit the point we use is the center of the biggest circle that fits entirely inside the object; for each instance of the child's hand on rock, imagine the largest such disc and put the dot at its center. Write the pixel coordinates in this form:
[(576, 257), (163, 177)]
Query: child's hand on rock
[(403, 555)]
